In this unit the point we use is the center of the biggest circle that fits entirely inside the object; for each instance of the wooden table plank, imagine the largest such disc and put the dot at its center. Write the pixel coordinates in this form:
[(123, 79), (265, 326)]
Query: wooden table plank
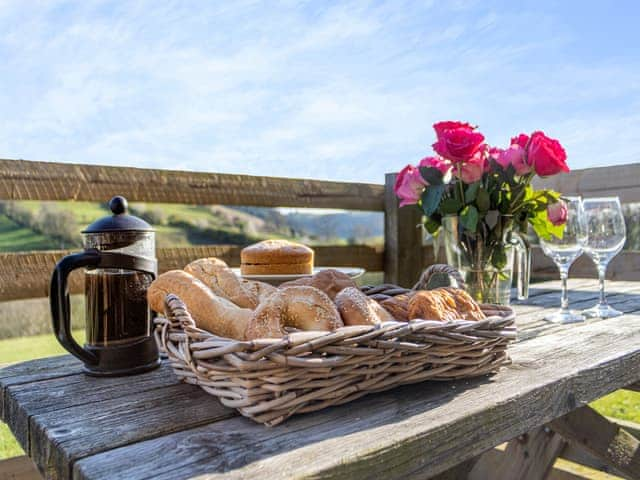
[(36, 371), (418, 430), (24, 401)]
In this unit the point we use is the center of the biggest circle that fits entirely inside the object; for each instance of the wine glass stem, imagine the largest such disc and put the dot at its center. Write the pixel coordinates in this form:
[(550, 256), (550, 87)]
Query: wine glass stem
[(564, 299), (602, 271)]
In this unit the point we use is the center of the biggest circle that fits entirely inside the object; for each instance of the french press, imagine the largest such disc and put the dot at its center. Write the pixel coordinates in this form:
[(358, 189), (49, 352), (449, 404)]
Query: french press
[(120, 264)]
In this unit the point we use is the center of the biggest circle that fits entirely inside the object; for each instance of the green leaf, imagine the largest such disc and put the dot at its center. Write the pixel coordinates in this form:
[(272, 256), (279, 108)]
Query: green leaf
[(450, 206), (432, 175), (431, 198), (543, 227), (499, 258), (431, 225), (483, 201), (469, 218), (471, 192)]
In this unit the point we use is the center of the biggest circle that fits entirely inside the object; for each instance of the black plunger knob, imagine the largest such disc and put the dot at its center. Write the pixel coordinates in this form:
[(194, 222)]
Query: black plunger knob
[(118, 205)]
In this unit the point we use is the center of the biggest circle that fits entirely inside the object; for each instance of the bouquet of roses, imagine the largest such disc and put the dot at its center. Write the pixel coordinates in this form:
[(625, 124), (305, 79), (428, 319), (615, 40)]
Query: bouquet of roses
[(479, 183), (488, 191)]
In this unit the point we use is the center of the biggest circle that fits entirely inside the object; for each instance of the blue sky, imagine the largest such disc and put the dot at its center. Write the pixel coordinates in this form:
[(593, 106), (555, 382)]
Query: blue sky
[(344, 90)]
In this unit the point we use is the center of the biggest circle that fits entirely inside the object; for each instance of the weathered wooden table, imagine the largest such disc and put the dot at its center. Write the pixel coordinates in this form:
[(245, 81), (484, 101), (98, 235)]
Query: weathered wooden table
[(151, 426)]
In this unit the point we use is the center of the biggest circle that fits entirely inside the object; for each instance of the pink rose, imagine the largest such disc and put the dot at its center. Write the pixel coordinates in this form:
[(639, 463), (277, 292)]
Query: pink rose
[(546, 155), (472, 170), (409, 185), (557, 213), (521, 140), (514, 155), (494, 152), (457, 142), (436, 162)]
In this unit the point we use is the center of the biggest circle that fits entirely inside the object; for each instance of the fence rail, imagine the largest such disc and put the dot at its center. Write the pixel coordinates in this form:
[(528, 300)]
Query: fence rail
[(27, 180)]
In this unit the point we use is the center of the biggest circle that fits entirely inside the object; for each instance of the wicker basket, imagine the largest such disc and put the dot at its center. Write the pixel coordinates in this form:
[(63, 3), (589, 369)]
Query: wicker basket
[(269, 380)]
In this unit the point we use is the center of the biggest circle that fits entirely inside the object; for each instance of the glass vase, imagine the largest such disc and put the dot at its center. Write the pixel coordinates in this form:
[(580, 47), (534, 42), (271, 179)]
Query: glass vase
[(485, 258)]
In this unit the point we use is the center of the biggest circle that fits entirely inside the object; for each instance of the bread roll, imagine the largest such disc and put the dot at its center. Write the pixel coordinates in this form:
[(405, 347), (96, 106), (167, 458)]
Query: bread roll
[(329, 281), (272, 257), (358, 309), (305, 308), (259, 290), (210, 312), (444, 304), (398, 306), (222, 281)]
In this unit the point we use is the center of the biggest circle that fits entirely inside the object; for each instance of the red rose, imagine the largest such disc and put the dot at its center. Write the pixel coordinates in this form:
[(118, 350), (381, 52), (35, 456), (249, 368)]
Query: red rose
[(450, 125), (546, 155), (457, 141), (521, 140)]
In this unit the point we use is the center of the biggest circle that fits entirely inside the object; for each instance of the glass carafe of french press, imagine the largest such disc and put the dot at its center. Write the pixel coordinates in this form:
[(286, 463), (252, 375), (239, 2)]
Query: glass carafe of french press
[(120, 264)]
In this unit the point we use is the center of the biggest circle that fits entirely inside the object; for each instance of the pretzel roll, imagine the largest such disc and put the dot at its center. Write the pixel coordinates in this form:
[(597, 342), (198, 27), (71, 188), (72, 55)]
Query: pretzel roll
[(210, 312), (214, 273), (358, 309), (305, 308)]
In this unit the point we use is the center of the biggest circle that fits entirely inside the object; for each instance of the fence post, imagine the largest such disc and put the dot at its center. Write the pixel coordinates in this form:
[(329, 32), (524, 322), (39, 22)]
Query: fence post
[(403, 254)]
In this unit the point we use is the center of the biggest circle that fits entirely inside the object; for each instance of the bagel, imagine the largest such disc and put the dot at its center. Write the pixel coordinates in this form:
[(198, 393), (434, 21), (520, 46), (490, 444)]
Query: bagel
[(358, 309), (301, 307)]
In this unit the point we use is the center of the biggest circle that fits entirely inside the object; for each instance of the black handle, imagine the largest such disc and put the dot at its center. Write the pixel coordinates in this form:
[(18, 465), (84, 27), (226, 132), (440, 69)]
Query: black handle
[(59, 299), (59, 293)]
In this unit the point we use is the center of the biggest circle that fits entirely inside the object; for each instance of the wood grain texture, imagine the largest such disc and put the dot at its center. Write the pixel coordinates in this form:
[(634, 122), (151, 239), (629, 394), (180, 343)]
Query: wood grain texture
[(27, 275), (528, 457), (27, 180), (35, 371), (620, 180), (612, 444), (64, 421), (386, 435), (403, 237)]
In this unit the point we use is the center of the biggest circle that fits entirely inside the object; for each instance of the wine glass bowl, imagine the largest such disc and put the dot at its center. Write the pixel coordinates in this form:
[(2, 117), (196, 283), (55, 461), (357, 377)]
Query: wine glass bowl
[(563, 251), (607, 235)]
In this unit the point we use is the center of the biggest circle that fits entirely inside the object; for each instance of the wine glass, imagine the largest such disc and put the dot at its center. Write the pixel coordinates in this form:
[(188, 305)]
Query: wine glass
[(563, 251), (607, 234)]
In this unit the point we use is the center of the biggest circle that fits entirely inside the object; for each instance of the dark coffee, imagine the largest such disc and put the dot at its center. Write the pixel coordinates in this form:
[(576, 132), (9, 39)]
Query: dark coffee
[(116, 306)]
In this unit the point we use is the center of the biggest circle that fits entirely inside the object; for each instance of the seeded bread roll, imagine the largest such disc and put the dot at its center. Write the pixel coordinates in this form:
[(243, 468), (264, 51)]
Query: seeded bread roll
[(215, 274), (210, 312), (305, 308), (259, 290), (273, 257), (358, 309), (329, 281)]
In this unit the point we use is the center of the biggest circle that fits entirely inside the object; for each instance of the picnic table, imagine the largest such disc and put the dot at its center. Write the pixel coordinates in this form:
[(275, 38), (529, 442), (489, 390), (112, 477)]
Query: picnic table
[(152, 426)]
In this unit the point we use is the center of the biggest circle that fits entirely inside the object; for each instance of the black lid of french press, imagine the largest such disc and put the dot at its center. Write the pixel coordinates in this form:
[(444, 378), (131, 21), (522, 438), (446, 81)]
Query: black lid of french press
[(120, 220)]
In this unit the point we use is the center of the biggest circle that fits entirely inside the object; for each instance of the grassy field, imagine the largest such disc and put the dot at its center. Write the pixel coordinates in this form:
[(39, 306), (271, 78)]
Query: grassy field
[(622, 404)]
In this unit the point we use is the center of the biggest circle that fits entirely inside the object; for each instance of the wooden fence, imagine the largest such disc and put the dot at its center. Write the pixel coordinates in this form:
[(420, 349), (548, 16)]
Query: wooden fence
[(26, 275)]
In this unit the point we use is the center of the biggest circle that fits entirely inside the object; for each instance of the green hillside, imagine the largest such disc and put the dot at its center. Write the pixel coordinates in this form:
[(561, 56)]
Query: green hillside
[(15, 238)]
